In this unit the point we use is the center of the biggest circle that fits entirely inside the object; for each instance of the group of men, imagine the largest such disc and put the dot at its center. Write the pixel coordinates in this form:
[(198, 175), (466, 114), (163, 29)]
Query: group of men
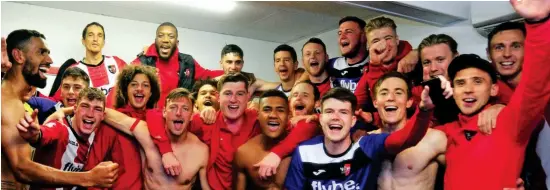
[(371, 119)]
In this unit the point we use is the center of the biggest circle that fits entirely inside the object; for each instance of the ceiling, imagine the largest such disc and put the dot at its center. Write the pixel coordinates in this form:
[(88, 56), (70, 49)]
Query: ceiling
[(274, 21)]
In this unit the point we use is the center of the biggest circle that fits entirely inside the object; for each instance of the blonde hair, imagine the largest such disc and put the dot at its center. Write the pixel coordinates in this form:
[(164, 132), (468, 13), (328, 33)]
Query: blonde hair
[(380, 22)]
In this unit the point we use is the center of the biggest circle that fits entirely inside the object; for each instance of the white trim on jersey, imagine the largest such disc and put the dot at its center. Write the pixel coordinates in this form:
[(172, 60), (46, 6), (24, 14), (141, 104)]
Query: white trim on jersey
[(315, 153)]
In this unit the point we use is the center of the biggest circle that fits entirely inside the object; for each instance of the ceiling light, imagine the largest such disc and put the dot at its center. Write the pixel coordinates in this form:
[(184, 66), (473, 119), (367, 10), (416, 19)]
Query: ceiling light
[(223, 6)]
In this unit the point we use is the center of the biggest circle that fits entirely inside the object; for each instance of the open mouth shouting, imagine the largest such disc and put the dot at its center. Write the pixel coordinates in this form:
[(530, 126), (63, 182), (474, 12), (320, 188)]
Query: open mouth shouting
[(88, 124), (178, 124), (507, 64), (335, 127), (43, 69), (165, 49), (390, 110), (314, 64), (139, 97), (344, 43), (469, 102), (273, 126), (71, 101), (283, 71), (233, 107), (208, 103), (300, 109)]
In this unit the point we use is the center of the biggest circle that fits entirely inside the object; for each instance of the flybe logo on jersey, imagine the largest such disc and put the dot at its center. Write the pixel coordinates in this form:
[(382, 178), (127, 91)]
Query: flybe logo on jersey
[(348, 84), (347, 185), (72, 167)]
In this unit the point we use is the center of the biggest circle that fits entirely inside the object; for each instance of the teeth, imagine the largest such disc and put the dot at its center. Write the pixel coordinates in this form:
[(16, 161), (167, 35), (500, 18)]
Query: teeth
[(469, 99), (300, 107), (390, 108), (207, 103), (273, 123), (88, 121), (233, 107), (507, 63)]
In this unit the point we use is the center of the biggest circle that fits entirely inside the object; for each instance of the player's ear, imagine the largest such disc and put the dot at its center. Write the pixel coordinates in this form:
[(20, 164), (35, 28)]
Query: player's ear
[(494, 90), (409, 103), (353, 120)]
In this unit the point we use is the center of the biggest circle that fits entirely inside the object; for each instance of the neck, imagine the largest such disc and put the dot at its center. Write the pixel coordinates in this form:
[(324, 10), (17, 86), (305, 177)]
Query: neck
[(15, 85), (390, 128), (335, 148), (513, 81), (268, 142), (93, 58), (288, 84), (234, 124), (320, 78), (177, 139), (361, 55)]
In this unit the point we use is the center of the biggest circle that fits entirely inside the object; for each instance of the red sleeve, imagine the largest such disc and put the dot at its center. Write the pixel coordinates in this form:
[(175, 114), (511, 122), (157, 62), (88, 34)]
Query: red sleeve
[(196, 126), (136, 61), (111, 98), (51, 133), (362, 92), (104, 142), (155, 123), (202, 73), (504, 93), (120, 63), (303, 131), (532, 94), (411, 134)]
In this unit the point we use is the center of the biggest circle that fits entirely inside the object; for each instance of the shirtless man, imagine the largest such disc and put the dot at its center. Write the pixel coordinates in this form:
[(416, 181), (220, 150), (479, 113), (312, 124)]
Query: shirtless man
[(30, 57), (189, 150), (273, 119), (415, 167)]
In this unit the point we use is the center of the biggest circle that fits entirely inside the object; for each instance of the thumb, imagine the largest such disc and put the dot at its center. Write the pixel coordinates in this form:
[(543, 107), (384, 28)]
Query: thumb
[(426, 92), (400, 67)]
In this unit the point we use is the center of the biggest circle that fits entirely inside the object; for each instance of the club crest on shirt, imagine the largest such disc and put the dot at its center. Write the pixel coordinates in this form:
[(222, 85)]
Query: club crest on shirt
[(112, 69), (347, 169), (50, 124), (187, 72)]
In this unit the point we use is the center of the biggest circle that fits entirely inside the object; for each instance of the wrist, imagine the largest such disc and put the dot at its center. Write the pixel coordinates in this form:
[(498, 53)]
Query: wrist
[(536, 21)]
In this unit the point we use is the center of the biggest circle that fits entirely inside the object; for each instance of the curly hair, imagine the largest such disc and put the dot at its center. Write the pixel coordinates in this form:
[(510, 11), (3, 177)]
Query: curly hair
[(125, 77)]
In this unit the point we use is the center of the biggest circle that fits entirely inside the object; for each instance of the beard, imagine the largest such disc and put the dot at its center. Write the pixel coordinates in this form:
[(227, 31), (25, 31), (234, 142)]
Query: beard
[(353, 52), (169, 55), (33, 79)]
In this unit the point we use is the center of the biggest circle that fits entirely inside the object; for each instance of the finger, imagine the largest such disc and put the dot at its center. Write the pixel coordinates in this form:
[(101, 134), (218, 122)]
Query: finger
[(24, 123), (274, 169), (28, 117), (268, 172), (493, 122), (21, 128), (426, 92)]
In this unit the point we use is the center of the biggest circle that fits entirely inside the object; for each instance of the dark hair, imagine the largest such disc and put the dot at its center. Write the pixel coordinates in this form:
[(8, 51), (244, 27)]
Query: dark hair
[(168, 24), (200, 83), (315, 41), (19, 39), (235, 77), (316, 93), (127, 75), (274, 93), (342, 94), (232, 48), (180, 93), (435, 39), (393, 74), (92, 24), (287, 48), (357, 20), (76, 73), (91, 94), (465, 61), (505, 26)]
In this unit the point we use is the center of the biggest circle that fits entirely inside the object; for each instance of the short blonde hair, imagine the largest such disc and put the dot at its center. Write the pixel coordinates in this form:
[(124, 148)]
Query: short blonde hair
[(380, 22)]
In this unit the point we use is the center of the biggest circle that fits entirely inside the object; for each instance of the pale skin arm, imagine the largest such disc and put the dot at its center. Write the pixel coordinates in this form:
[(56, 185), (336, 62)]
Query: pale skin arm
[(18, 153), (202, 171), (433, 148)]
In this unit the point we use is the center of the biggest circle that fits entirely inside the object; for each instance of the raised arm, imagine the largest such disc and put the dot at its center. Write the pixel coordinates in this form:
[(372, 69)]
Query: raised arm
[(533, 92)]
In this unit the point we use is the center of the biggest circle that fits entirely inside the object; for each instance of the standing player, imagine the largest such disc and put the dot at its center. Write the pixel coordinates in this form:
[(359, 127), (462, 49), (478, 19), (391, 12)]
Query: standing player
[(101, 69)]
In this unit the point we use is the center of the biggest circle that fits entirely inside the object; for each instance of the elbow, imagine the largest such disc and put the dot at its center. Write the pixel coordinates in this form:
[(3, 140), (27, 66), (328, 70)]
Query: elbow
[(20, 172)]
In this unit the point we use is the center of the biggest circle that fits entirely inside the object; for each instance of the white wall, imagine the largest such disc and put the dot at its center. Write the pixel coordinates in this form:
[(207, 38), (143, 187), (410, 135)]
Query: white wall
[(469, 41), (125, 38)]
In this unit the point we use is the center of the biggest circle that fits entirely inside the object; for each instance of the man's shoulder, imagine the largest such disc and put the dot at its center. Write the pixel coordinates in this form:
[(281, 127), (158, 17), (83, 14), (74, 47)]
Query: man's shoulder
[(434, 135), (251, 144), (317, 140)]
